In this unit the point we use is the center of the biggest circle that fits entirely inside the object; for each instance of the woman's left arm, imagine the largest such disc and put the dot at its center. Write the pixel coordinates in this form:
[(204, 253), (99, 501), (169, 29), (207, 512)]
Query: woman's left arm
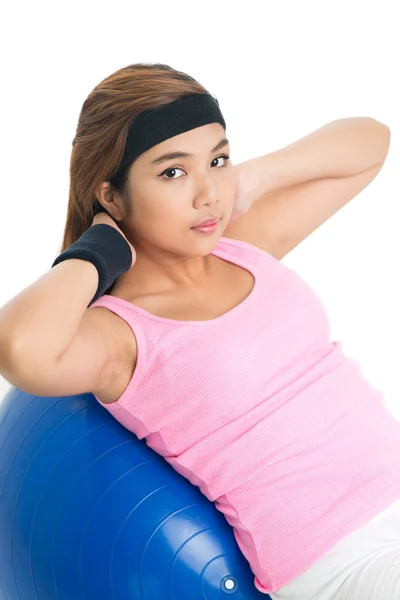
[(339, 149), (283, 196)]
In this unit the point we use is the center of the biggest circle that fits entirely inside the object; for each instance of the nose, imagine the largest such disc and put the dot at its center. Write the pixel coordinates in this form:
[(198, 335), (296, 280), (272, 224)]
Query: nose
[(206, 192)]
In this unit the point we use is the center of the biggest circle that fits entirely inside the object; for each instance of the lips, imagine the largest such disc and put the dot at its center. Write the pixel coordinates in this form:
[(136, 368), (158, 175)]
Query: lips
[(207, 223)]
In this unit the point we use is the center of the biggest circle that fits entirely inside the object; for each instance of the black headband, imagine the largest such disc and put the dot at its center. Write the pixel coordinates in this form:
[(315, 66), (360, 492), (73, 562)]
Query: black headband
[(156, 125)]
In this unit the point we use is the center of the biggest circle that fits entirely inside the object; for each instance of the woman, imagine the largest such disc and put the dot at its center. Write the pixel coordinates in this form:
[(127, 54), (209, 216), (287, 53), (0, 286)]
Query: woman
[(169, 302)]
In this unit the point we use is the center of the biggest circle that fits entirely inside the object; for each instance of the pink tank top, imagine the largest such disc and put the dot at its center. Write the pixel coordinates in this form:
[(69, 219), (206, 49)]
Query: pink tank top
[(266, 415)]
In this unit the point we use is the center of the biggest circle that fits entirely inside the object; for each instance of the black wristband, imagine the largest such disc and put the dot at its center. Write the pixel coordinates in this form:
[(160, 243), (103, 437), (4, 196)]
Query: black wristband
[(106, 249)]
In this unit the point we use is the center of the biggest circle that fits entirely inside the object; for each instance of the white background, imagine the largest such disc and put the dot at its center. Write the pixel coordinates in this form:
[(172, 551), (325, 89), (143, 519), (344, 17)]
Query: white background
[(279, 70)]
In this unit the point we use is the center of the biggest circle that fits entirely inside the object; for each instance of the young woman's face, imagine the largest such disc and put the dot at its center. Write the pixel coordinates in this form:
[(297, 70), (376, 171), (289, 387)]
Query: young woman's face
[(168, 198)]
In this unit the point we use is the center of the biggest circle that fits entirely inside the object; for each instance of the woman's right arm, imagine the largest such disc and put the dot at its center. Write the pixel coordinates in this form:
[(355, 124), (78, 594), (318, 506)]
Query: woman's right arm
[(51, 343)]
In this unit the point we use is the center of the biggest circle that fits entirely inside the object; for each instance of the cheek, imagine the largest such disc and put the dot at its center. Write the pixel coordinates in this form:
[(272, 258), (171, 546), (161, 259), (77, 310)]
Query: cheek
[(163, 215)]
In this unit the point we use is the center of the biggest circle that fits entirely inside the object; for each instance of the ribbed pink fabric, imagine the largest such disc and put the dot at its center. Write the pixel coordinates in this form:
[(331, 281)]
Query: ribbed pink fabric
[(262, 411)]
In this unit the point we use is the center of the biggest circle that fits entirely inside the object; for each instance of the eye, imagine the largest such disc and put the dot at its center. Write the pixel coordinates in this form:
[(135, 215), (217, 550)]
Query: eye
[(164, 173)]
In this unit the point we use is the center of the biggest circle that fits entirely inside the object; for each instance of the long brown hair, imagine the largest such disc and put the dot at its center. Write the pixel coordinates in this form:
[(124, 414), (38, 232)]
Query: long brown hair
[(102, 129)]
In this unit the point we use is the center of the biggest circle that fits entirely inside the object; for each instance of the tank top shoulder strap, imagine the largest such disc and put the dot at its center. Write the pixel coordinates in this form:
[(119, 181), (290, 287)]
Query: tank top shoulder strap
[(245, 253)]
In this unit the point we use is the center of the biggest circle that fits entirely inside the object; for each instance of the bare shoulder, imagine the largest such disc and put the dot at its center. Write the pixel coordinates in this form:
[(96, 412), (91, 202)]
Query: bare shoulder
[(256, 228), (121, 340)]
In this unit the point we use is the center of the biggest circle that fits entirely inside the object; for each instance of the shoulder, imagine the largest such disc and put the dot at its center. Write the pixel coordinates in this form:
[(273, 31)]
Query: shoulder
[(254, 229)]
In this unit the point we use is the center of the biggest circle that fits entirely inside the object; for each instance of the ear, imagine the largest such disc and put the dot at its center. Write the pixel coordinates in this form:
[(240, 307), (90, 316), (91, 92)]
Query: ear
[(110, 201)]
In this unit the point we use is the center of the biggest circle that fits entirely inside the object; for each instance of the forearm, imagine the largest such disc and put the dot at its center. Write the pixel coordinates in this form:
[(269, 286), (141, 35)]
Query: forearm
[(339, 149)]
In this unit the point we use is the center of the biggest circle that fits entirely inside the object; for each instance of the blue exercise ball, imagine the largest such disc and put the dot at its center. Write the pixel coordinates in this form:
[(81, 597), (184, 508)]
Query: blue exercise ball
[(88, 511)]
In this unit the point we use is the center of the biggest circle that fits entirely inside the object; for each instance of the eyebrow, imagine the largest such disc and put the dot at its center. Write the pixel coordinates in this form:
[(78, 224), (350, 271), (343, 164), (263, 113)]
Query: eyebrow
[(172, 155)]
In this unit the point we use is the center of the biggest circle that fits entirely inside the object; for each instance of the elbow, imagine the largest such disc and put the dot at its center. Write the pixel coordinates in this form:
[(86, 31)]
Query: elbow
[(9, 363), (20, 367)]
